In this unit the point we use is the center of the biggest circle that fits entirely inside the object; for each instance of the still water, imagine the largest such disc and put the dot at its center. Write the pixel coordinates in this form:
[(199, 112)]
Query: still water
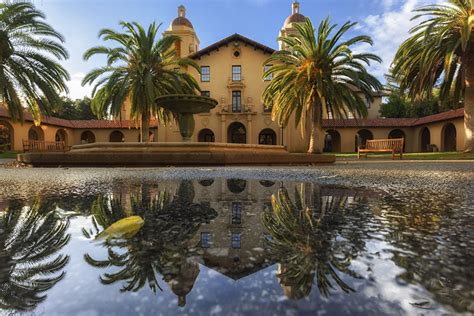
[(233, 247)]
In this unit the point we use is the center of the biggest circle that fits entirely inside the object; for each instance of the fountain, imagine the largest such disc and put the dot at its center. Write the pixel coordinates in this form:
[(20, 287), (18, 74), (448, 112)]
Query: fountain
[(185, 106), (185, 153)]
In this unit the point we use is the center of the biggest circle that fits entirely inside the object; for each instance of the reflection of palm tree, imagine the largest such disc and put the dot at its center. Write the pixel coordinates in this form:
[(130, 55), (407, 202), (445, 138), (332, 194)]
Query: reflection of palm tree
[(307, 242), (161, 246), (28, 239)]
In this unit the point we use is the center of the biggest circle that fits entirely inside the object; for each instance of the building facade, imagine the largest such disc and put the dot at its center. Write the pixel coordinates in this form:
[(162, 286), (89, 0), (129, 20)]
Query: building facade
[(232, 73)]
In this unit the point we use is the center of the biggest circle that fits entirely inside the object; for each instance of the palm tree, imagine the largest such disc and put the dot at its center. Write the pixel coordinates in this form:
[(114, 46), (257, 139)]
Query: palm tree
[(440, 52), (29, 75), (29, 239), (140, 68), (317, 72)]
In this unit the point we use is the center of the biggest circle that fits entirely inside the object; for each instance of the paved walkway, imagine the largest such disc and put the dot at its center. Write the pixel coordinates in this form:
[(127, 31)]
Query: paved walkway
[(4, 161)]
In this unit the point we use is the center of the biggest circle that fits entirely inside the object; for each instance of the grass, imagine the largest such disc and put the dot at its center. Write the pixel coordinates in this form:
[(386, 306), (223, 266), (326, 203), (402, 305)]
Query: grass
[(8, 155), (416, 156)]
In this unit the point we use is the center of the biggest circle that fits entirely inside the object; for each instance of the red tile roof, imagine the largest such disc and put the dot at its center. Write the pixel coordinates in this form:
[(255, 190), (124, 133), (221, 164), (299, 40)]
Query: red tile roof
[(379, 122)]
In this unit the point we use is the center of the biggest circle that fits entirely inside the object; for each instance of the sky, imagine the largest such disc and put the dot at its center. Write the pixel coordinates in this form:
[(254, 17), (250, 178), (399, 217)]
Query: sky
[(386, 21)]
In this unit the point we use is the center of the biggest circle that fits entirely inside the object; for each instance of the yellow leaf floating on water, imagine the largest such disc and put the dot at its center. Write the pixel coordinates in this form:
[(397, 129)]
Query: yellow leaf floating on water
[(124, 228)]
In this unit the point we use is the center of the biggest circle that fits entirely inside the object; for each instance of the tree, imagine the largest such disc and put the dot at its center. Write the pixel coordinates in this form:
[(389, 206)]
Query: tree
[(79, 109), (29, 73), (440, 52), (140, 69), (318, 72)]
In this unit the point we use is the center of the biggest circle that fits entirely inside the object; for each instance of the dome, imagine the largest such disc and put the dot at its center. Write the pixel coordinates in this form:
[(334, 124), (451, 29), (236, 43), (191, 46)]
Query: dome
[(182, 21), (295, 18)]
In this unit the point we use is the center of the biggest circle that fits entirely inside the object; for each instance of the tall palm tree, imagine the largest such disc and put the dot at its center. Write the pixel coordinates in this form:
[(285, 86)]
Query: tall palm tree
[(29, 72), (29, 240), (317, 72), (139, 69), (440, 51)]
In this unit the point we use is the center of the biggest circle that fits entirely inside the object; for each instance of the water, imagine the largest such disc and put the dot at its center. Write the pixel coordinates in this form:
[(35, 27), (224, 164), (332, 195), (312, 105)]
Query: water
[(230, 246)]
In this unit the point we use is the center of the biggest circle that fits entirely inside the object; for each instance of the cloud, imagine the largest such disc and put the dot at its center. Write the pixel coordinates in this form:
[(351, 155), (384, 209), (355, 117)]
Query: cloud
[(389, 29), (76, 90)]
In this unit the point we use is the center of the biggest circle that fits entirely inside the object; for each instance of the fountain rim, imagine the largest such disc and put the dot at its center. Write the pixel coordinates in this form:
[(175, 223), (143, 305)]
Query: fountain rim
[(187, 97)]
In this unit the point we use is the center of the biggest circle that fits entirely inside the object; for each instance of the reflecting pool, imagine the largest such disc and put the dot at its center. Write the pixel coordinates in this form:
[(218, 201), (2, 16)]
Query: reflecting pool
[(229, 246)]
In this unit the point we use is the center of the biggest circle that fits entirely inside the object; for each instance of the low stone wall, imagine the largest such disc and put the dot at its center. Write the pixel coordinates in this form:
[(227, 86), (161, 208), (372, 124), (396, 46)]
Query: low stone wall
[(172, 154)]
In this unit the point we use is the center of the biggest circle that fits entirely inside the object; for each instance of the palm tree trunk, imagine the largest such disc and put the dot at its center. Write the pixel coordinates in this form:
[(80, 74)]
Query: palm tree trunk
[(469, 101), (316, 130), (145, 127)]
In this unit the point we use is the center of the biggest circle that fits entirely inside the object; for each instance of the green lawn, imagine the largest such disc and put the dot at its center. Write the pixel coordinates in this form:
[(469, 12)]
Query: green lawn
[(417, 156), (8, 154)]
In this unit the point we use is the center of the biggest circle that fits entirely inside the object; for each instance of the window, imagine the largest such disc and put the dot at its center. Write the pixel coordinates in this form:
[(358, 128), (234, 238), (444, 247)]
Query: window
[(368, 103), (265, 69), (236, 101), (330, 116), (206, 93), (268, 108), (236, 213), (206, 240), (236, 240), (236, 73), (267, 137), (205, 73)]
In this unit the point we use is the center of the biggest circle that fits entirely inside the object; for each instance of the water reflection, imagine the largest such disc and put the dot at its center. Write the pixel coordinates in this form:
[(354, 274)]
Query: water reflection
[(322, 245), (30, 239)]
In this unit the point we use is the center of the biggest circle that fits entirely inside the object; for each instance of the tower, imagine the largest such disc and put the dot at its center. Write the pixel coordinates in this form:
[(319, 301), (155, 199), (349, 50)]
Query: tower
[(288, 27), (182, 27)]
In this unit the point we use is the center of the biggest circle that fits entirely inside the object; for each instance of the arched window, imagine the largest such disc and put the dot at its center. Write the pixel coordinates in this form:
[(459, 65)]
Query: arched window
[(87, 137), (448, 137), (397, 133), (237, 134), (35, 133), (362, 137), (267, 137), (6, 136), (61, 136), (425, 139), (116, 137), (206, 136), (332, 141), (236, 185)]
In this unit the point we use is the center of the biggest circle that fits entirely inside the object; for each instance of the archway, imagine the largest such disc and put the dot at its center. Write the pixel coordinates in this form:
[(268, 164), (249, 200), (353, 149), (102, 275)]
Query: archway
[(397, 133), (6, 136), (448, 137), (267, 137), (362, 137), (116, 137), (87, 137), (332, 141), (236, 185), (237, 134), (425, 139), (61, 136), (35, 133), (206, 136)]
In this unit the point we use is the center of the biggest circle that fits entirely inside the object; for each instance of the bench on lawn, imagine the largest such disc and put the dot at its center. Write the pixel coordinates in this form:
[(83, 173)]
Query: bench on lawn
[(40, 145), (395, 146)]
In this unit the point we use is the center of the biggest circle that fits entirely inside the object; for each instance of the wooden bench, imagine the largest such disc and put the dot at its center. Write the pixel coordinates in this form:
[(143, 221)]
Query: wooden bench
[(40, 145), (395, 146)]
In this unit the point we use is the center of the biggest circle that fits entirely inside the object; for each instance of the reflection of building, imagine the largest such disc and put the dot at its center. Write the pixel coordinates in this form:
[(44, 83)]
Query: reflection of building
[(231, 72)]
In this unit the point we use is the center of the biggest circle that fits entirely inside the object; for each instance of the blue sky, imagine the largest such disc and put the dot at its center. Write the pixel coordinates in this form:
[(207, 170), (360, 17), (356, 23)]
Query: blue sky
[(387, 21)]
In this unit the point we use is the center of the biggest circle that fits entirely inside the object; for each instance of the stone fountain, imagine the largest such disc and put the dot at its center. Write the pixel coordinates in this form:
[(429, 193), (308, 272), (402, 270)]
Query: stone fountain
[(185, 106)]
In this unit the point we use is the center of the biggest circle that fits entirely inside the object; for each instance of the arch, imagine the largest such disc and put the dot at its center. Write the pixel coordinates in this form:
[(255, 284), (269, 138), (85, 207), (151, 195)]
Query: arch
[(237, 133), (448, 137), (87, 137), (267, 137), (362, 137), (35, 133), (206, 136), (332, 141), (267, 183), (61, 136), (236, 185), (116, 137), (425, 139), (397, 133), (6, 136), (206, 182)]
